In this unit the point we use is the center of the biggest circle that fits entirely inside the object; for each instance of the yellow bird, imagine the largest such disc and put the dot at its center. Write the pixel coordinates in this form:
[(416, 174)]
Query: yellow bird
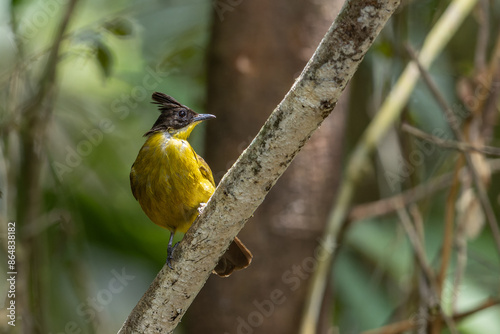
[(170, 181)]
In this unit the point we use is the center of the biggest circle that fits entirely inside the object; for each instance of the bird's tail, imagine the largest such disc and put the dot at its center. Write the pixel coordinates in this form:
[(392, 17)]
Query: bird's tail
[(237, 257)]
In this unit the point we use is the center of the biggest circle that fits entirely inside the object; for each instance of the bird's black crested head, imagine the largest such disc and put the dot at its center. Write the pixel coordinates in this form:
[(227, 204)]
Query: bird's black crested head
[(174, 116)]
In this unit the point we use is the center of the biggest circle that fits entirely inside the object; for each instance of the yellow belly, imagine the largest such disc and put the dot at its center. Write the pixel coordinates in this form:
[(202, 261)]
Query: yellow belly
[(170, 181)]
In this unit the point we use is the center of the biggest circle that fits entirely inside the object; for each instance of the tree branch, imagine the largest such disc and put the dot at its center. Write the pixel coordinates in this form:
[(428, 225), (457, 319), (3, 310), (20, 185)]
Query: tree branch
[(244, 187), (408, 324), (35, 118), (434, 298), (422, 191), (451, 144)]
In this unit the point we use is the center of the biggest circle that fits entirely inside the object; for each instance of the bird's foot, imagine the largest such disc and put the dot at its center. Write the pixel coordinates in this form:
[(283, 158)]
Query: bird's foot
[(201, 208), (170, 254)]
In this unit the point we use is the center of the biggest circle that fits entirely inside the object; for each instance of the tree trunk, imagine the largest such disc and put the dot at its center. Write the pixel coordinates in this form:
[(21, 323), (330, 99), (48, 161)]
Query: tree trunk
[(258, 48)]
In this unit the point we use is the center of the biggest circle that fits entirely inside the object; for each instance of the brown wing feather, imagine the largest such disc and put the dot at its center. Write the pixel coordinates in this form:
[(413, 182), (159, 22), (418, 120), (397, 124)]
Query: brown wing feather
[(132, 183), (205, 170)]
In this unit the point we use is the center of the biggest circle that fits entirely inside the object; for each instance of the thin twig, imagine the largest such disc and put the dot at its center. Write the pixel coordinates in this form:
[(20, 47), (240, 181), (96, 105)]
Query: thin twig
[(448, 227), (446, 248), (492, 84), (461, 250), (394, 328), (423, 285), (460, 146), (408, 324), (419, 192), (426, 269), (483, 35), (486, 304), (388, 205), (452, 119)]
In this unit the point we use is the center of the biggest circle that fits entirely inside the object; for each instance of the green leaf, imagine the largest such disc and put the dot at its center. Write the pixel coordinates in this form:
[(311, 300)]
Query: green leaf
[(119, 27), (104, 58), (15, 3)]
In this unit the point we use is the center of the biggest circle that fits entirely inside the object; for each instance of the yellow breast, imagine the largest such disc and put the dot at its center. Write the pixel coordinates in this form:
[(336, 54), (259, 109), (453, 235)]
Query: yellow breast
[(170, 181)]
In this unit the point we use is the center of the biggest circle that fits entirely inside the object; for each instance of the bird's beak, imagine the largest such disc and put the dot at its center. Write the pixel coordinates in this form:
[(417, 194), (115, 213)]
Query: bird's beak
[(203, 117)]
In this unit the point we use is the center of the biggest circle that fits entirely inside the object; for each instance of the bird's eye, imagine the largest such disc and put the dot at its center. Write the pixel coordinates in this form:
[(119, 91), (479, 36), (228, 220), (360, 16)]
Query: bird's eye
[(182, 113)]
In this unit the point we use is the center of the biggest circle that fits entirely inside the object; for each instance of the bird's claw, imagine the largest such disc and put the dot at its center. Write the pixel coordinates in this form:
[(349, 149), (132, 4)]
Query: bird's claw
[(201, 208), (170, 255)]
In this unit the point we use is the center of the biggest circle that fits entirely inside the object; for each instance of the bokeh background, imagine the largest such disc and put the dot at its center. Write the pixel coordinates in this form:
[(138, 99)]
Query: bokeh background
[(75, 84)]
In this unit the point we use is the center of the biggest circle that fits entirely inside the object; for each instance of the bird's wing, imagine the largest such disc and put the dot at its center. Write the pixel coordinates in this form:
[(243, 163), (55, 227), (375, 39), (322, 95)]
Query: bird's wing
[(132, 183), (205, 170)]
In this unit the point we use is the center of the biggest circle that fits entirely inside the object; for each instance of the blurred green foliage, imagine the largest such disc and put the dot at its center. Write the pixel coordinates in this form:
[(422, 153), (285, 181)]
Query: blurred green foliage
[(115, 54), (374, 276)]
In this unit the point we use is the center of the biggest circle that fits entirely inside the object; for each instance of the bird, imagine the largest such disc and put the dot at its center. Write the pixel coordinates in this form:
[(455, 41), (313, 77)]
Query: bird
[(172, 183)]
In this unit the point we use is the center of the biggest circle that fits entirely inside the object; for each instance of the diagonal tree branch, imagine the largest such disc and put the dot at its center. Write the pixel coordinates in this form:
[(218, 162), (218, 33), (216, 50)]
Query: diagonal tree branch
[(451, 144), (422, 191), (311, 99)]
